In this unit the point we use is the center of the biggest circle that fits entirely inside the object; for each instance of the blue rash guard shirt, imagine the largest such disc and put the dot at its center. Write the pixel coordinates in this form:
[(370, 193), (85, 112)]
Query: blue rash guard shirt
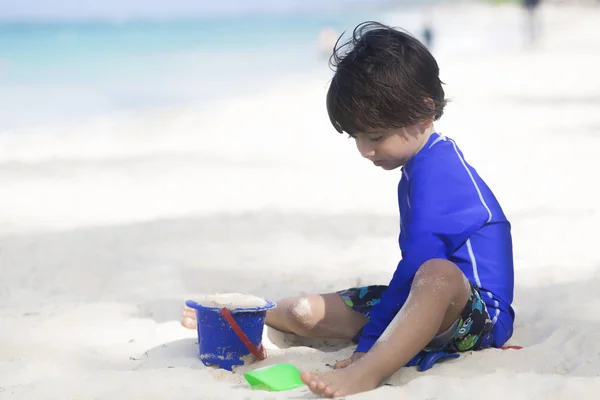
[(447, 211)]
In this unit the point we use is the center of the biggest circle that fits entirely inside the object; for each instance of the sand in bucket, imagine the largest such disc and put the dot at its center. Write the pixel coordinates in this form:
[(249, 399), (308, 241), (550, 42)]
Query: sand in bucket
[(218, 342)]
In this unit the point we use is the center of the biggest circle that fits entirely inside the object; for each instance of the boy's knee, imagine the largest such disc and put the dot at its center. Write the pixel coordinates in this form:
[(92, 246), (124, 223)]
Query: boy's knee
[(439, 272), (302, 312)]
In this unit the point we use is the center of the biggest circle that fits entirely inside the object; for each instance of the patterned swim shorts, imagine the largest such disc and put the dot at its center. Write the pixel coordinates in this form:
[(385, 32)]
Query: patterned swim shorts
[(473, 330)]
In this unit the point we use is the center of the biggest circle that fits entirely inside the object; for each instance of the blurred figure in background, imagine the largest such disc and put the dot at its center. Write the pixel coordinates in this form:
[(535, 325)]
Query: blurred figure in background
[(428, 35), (427, 30), (531, 24), (327, 38)]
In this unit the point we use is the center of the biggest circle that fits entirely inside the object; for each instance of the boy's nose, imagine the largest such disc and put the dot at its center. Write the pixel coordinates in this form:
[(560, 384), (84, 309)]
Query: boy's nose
[(365, 148)]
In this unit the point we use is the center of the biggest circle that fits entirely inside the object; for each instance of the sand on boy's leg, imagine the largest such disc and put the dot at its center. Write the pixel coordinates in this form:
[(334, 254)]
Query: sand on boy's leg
[(438, 295)]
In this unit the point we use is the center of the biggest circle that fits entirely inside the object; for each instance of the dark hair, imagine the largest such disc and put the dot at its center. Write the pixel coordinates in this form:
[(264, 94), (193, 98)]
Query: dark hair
[(384, 78)]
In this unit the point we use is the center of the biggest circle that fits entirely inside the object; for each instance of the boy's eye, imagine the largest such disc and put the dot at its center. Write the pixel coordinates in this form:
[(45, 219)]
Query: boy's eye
[(375, 138)]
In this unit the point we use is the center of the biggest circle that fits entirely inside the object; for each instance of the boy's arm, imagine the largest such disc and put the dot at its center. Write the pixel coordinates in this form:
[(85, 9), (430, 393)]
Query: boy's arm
[(422, 249), (446, 210)]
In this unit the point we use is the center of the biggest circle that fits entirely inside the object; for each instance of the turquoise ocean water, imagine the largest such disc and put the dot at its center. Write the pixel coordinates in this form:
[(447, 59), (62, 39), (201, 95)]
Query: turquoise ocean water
[(55, 70)]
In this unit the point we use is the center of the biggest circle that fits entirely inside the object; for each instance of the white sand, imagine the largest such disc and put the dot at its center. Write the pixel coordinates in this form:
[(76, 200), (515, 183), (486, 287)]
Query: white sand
[(105, 236)]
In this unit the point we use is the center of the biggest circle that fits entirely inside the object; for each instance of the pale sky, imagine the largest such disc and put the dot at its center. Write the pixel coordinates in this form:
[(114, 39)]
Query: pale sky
[(75, 9)]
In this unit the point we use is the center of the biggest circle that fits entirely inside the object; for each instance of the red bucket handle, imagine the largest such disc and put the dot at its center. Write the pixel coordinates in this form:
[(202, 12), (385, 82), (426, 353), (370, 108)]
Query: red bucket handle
[(259, 352)]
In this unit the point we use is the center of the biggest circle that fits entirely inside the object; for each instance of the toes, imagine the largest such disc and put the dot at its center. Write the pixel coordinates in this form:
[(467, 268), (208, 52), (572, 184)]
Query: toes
[(188, 318), (188, 323), (306, 377), (189, 312), (313, 382), (329, 392), (322, 386)]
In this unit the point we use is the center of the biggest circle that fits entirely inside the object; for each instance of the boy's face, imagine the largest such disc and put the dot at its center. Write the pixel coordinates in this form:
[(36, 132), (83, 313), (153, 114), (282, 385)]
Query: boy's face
[(392, 148)]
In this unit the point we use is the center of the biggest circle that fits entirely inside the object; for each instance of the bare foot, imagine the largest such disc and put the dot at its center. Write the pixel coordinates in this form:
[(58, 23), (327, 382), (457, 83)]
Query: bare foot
[(188, 318), (339, 382)]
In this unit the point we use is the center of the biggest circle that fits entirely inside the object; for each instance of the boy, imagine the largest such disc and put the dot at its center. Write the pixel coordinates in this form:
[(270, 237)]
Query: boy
[(453, 288)]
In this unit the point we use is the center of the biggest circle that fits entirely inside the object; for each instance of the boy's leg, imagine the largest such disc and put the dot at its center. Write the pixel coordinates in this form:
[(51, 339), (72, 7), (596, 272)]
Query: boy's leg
[(437, 298), (317, 315)]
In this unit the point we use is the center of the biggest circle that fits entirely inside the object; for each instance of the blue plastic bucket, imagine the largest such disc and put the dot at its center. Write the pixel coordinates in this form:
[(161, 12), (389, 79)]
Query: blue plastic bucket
[(218, 344)]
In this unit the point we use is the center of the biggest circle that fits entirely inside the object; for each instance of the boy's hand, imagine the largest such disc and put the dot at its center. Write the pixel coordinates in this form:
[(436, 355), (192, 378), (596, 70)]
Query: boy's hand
[(348, 361)]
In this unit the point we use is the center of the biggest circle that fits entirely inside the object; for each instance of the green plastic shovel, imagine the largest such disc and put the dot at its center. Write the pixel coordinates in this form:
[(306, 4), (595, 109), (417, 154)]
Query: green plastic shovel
[(274, 378)]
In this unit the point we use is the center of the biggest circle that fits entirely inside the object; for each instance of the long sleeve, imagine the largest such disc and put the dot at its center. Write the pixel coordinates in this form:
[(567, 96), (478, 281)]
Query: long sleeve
[(444, 208)]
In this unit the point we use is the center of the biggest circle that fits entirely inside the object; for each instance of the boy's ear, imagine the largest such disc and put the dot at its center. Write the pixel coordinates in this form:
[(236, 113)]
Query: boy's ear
[(425, 124), (431, 105)]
